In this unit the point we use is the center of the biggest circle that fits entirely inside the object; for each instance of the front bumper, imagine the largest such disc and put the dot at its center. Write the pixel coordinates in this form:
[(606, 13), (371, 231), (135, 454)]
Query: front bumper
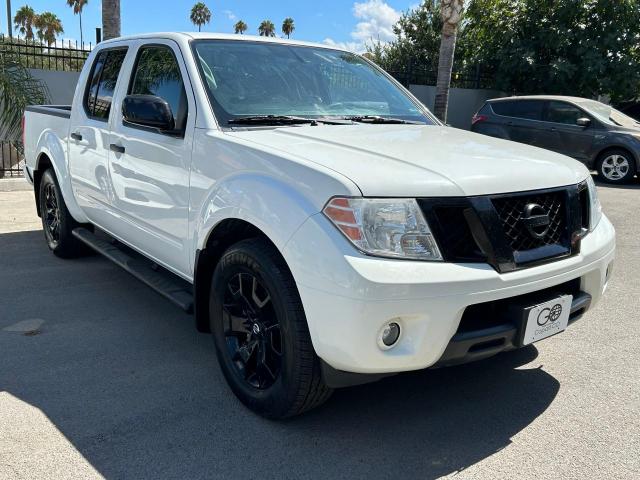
[(348, 298)]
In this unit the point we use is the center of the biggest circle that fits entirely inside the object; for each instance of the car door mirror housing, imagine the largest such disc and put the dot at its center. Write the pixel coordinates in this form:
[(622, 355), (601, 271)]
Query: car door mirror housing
[(583, 122), (148, 111)]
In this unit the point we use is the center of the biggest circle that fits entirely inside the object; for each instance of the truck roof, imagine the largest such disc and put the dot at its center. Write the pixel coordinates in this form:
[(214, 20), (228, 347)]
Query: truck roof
[(220, 36)]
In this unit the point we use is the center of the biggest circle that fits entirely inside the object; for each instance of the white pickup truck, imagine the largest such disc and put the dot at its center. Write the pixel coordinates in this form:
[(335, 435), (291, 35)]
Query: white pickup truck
[(319, 221)]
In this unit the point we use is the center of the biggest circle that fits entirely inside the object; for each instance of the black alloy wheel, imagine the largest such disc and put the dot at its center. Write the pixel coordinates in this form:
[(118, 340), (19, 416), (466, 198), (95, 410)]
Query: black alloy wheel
[(57, 222), (51, 214), (260, 332), (252, 330)]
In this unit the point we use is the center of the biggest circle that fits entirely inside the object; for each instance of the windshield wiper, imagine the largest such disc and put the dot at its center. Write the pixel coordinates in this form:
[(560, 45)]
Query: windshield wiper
[(380, 120), (282, 120)]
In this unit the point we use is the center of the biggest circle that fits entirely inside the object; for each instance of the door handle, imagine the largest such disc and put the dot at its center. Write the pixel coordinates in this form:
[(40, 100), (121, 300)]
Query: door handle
[(552, 129), (76, 136), (116, 148)]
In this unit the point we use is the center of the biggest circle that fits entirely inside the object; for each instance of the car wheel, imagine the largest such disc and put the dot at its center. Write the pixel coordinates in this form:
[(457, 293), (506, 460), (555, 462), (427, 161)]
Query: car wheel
[(260, 333), (616, 166), (57, 222)]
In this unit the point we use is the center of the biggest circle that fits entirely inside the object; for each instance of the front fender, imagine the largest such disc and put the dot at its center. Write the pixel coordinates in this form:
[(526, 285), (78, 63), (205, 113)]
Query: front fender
[(51, 146), (271, 205)]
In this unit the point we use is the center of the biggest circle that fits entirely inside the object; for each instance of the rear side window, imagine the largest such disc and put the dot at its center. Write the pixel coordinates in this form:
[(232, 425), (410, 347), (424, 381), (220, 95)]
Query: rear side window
[(562, 112), (157, 73), (526, 109), (102, 82)]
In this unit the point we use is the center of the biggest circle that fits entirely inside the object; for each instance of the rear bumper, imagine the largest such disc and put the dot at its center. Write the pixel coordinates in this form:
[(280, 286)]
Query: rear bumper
[(349, 298)]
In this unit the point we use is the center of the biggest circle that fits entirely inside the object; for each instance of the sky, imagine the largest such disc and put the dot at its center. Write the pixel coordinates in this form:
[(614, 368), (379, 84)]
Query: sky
[(347, 23)]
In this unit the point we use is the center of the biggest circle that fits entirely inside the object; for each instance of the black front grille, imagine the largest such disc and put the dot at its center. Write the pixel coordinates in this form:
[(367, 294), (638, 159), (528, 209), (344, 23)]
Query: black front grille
[(455, 234), (511, 211), (493, 229)]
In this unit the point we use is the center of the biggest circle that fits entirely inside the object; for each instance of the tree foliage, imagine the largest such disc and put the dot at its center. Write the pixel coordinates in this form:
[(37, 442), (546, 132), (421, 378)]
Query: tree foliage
[(49, 27), (25, 20), (240, 27), (577, 47), (267, 29), (17, 90), (288, 26), (200, 15), (77, 6)]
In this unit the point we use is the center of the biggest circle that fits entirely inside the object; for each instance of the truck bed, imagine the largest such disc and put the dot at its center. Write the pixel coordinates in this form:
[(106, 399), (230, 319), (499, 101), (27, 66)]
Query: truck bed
[(43, 123)]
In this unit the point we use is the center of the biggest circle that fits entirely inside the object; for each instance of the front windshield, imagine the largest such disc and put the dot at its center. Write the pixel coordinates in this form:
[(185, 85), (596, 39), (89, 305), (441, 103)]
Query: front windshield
[(608, 114), (245, 78)]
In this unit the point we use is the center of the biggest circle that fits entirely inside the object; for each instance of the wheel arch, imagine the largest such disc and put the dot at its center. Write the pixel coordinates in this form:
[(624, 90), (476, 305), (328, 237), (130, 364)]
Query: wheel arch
[(226, 233), (51, 154)]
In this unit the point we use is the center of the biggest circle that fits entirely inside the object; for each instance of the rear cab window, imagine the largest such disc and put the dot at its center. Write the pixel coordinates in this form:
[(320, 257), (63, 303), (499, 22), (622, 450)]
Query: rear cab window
[(524, 109), (102, 83)]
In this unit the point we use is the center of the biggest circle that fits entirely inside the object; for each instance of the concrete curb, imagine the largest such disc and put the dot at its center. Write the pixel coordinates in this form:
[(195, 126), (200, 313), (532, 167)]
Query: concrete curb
[(14, 185)]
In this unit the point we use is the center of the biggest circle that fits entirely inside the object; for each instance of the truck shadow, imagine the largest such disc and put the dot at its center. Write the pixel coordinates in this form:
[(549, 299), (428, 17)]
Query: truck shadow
[(136, 390)]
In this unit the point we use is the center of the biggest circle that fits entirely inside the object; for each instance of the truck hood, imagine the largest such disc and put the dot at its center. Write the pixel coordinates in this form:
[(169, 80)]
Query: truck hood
[(421, 160)]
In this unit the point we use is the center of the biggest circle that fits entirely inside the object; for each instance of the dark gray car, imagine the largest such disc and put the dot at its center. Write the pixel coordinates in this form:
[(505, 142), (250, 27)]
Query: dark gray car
[(598, 135)]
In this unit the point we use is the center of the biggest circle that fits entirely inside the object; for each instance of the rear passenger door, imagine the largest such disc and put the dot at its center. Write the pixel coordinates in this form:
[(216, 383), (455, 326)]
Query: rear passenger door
[(565, 135), (522, 120), (150, 168), (89, 134)]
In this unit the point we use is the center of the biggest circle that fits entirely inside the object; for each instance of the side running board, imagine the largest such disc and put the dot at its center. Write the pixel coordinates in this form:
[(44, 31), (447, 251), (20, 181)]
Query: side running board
[(165, 283)]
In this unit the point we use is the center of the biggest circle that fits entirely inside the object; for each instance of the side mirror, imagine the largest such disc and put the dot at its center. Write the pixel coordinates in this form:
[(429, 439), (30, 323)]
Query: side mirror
[(583, 122), (148, 111)]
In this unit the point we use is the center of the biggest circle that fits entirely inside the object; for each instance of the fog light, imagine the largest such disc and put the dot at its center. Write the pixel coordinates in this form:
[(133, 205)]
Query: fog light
[(390, 335)]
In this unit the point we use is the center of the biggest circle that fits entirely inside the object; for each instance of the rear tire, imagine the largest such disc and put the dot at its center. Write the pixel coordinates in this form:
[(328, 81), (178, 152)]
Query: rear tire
[(616, 166), (261, 335), (57, 222)]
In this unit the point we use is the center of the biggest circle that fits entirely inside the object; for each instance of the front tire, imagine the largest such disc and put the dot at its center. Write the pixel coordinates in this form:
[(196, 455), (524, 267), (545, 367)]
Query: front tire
[(57, 222), (616, 166), (260, 333)]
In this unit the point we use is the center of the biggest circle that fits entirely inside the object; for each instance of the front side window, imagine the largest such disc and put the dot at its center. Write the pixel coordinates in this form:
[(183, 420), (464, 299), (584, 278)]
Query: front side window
[(157, 73), (562, 112), (102, 82), (245, 78), (525, 109)]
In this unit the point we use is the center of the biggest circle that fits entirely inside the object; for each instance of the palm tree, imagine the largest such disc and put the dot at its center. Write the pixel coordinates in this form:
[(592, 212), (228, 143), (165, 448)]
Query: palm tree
[(200, 14), (17, 90), (25, 20), (451, 12), (110, 19), (267, 29), (78, 5), (49, 27), (240, 27), (288, 27)]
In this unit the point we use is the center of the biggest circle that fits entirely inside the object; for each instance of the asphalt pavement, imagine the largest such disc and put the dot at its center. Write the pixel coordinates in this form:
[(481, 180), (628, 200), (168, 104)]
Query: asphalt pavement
[(101, 377)]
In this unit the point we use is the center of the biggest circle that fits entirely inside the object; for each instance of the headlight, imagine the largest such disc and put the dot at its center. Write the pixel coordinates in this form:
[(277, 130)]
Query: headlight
[(595, 209), (384, 227)]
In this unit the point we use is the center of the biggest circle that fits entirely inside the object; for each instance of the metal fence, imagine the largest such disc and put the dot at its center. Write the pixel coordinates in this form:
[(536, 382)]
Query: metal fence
[(11, 159), (473, 77), (62, 56)]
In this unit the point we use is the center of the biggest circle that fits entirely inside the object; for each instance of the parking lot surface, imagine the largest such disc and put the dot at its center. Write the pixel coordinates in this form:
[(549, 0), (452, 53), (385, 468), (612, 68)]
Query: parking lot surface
[(101, 377)]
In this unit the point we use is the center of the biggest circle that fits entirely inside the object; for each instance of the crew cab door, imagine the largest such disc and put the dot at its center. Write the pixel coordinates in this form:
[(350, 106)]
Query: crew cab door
[(149, 168), (88, 145)]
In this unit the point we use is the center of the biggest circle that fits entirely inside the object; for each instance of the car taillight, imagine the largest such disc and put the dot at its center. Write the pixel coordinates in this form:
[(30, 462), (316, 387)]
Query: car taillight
[(478, 118), (23, 134)]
